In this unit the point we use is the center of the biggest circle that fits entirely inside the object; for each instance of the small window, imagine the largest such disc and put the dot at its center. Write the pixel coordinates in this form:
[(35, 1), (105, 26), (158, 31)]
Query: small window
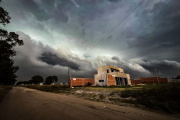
[(107, 71), (101, 80)]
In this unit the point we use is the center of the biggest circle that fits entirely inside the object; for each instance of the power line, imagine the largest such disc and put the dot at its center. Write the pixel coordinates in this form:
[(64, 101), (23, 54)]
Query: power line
[(107, 35), (113, 28)]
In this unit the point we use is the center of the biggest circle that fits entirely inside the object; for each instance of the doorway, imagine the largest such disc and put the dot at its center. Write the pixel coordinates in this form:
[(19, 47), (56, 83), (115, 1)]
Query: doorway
[(121, 81)]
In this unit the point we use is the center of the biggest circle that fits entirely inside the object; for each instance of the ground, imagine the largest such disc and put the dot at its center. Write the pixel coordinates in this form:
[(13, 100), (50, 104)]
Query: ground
[(29, 104)]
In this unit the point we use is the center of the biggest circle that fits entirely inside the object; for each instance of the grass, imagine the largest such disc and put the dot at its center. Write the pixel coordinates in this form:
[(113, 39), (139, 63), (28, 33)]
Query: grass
[(4, 90), (164, 97), (50, 88), (110, 88)]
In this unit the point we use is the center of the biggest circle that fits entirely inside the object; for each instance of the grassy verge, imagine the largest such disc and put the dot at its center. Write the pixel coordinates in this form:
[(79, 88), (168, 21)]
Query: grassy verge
[(50, 88), (161, 97), (110, 88), (4, 90), (164, 97)]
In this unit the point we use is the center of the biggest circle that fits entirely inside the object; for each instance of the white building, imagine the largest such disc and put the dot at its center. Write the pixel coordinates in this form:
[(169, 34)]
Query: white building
[(109, 75)]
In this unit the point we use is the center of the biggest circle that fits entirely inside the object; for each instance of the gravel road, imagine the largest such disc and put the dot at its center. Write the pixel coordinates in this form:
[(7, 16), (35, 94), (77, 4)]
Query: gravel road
[(29, 104)]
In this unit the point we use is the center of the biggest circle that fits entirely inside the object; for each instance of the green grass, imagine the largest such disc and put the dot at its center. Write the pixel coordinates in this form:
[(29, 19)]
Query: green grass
[(4, 90)]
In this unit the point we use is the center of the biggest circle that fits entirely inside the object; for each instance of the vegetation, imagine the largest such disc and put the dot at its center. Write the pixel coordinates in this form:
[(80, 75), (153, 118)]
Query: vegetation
[(51, 88), (89, 84), (51, 79), (165, 97), (4, 90), (36, 79), (109, 88), (7, 43)]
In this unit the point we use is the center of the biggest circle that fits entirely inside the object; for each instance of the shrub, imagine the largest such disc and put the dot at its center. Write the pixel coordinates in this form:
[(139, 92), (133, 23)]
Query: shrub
[(89, 84), (101, 96)]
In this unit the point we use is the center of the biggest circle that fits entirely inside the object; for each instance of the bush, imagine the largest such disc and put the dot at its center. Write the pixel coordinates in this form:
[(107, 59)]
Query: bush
[(89, 84)]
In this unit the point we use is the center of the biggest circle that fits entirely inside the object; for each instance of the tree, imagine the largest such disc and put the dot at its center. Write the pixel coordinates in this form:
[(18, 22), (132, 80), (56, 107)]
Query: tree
[(36, 79), (7, 43), (55, 79), (51, 79)]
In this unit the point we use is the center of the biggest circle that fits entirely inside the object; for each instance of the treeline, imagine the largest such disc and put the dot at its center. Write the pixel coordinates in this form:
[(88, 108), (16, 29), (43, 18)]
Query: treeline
[(39, 79)]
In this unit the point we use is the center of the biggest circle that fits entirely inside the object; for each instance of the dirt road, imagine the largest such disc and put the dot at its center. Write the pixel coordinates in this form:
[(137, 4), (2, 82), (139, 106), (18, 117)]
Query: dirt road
[(28, 104)]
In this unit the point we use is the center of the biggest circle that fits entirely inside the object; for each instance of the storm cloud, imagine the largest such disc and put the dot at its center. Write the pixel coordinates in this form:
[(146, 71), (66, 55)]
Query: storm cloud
[(58, 32), (53, 59)]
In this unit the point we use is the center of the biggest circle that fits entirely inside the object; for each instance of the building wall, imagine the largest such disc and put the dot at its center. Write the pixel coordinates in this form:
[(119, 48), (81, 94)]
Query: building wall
[(81, 81), (98, 77), (111, 80), (149, 80)]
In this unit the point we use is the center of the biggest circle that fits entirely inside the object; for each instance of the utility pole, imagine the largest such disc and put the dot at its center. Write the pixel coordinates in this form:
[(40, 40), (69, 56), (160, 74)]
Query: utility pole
[(69, 76), (156, 74)]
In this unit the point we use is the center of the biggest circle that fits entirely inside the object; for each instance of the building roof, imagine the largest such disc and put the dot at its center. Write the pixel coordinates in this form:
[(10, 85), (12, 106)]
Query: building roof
[(110, 67)]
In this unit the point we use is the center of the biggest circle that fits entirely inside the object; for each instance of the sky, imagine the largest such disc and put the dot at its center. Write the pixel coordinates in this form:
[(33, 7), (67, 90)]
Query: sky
[(57, 33)]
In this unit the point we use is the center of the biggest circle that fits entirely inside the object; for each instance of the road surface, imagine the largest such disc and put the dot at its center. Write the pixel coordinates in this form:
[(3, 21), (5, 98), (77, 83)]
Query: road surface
[(29, 104)]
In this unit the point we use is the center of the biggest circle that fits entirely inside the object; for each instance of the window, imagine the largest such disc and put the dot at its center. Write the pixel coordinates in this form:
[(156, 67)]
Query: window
[(101, 80), (114, 70), (107, 71)]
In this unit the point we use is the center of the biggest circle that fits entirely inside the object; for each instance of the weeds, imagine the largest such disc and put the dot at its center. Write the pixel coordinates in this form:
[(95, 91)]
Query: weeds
[(101, 96), (51, 88), (164, 97), (161, 97)]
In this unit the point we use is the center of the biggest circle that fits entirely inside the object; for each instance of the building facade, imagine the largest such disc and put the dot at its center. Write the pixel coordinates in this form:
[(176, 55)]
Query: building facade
[(109, 75)]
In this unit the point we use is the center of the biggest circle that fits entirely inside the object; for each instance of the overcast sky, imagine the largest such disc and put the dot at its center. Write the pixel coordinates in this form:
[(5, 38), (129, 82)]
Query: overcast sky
[(56, 33)]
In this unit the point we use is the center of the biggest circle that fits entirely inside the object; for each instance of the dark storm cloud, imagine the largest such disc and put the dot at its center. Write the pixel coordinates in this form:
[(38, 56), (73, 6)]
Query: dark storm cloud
[(53, 59), (135, 70), (164, 68), (162, 41), (44, 10), (34, 8), (35, 58), (60, 16), (150, 33), (113, 0)]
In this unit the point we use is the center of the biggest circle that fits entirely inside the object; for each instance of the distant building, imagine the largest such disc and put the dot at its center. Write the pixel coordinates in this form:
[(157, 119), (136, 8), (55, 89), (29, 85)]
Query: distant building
[(177, 79), (41, 83), (147, 80), (174, 80), (109, 75)]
